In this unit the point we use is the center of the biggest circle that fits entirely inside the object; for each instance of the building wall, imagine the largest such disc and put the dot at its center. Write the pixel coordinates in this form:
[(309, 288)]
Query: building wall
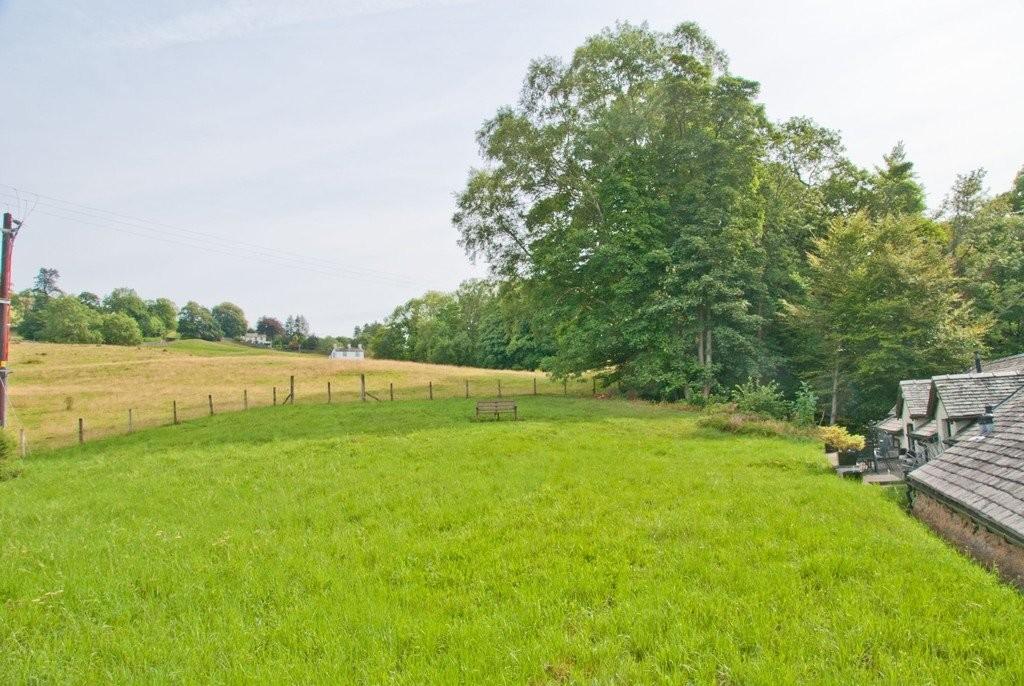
[(940, 420), (990, 549), (905, 419)]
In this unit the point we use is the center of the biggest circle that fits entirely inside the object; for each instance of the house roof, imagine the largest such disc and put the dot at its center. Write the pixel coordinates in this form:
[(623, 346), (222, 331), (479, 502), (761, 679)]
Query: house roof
[(926, 430), (965, 396), (981, 475), (914, 392), (892, 425), (1013, 363)]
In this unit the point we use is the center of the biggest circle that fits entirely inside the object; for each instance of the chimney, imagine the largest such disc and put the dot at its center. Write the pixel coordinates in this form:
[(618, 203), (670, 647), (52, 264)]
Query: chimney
[(987, 421), (977, 362)]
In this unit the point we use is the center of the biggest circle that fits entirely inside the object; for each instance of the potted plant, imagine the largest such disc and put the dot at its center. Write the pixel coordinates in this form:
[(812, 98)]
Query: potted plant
[(841, 442)]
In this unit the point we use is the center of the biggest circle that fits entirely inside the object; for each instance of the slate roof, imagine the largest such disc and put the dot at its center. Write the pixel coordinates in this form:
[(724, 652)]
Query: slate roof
[(926, 430), (892, 425), (914, 392), (983, 476), (1013, 363), (965, 396)]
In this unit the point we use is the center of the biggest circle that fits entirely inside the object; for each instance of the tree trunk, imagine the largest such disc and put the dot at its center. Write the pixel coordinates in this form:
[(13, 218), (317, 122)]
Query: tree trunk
[(707, 364), (835, 395)]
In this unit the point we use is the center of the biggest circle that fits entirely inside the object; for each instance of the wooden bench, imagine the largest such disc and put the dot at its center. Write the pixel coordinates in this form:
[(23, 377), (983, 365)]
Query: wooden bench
[(497, 408)]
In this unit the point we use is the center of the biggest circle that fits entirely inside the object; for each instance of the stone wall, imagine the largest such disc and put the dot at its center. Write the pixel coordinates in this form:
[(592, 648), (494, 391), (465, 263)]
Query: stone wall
[(991, 549)]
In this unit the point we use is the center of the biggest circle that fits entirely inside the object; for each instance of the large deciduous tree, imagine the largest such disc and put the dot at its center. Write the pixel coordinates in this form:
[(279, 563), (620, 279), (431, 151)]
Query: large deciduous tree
[(231, 319), (270, 327), (625, 186), (881, 305), (195, 321), (166, 311), (65, 319)]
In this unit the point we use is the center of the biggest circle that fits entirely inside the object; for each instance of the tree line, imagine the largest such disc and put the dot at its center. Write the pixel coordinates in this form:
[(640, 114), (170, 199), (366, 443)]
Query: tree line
[(643, 217), (45, 312), (484, 323)]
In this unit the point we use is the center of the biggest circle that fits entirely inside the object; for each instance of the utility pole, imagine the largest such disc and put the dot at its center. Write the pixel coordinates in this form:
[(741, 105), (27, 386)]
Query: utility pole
[(10, 230)]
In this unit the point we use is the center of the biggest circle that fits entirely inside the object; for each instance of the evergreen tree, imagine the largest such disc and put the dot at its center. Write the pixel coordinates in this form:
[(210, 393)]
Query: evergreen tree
[(894, 187)]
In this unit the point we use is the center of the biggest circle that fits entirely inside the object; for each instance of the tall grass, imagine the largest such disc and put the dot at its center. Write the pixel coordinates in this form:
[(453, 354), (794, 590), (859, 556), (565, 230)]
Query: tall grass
[(592, 542), (55, 384)]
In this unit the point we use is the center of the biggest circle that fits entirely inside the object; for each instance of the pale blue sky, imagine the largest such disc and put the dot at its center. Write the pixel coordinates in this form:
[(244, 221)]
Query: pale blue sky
[(338, 131)]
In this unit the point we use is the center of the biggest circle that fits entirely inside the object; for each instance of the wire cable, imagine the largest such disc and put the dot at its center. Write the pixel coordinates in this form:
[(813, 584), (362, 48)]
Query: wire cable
[(203, 241)]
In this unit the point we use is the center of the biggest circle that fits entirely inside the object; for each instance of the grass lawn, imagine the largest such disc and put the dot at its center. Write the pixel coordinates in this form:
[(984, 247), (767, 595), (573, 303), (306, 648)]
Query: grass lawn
[(593, 542), (54, 384)]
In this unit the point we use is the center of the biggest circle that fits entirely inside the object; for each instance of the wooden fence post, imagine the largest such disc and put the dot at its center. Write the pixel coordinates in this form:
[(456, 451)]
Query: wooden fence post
[(129, 420), (245, 398), (391, 389), (210, 398), (81, 431), (594, 392), (535, 385), (275, 396), (174, 410), (291, 389), (467, 388), (328, 392), (22, 445), (565, 387), (499, 388), (362, 387), (430, 390)]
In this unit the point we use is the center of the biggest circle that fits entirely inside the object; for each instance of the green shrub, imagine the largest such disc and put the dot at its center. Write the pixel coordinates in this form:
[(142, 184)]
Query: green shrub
[(119, 328), (804, 406), (765, 399)]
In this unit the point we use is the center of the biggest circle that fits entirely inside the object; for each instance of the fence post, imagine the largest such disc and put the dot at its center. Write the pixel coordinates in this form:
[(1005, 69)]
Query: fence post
[(129, 420), (430, 390), (245, 398), (391, 389), (81, 431), (565, 387), (174, 410), (22, 445), (210, 398), (291, 389), (535, 385), (594, 392), (328, 392), (362, 387), (467, 388), (275, 396), (499, 388)]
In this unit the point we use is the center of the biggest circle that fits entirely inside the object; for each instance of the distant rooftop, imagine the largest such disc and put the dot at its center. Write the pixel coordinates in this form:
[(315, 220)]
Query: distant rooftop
[(965, 396), (914, 392), (1013, 363)]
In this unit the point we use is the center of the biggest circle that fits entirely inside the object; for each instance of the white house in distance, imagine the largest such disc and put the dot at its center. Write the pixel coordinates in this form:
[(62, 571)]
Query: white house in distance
[(252, 338), (347, 353)]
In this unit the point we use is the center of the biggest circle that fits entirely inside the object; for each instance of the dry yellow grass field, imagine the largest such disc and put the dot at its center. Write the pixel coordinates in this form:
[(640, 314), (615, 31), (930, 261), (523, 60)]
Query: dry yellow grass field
[(53, 385)]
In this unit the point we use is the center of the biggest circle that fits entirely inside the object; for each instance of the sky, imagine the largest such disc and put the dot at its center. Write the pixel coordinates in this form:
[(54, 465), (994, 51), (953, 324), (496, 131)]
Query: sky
[(302, 157)]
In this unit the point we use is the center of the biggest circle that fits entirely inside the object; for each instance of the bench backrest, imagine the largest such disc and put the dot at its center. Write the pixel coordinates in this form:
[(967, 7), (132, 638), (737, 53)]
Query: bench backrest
[(496, 405)]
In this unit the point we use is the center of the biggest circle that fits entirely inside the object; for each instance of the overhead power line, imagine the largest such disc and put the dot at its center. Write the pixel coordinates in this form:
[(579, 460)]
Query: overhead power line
[(85, 215)]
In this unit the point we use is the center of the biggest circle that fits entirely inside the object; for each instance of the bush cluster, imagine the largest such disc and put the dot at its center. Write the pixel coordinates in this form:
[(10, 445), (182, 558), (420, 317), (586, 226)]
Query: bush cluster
[(767, 400)]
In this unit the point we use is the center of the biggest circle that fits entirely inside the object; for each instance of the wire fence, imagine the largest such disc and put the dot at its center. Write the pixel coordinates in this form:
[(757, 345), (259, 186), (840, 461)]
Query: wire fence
[(294, 391)]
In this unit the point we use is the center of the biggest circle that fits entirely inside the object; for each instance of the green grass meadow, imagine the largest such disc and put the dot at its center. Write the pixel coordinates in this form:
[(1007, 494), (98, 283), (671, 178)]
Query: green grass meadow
[(593, 542)]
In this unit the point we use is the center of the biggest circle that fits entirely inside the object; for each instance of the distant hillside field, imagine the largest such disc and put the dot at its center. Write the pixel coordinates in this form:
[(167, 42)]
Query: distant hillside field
[(54, 384), (593, 542)]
